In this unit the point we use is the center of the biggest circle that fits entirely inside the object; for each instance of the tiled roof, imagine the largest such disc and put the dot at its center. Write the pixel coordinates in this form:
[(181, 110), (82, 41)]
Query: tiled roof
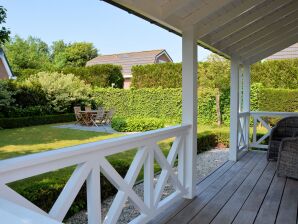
[(288, 53), (127, 60)]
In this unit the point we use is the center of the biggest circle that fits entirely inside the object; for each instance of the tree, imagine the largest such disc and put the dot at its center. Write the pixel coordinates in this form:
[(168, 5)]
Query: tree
[(78, 53), (215, 74), (74, 55), (4, 33), (31, 53)]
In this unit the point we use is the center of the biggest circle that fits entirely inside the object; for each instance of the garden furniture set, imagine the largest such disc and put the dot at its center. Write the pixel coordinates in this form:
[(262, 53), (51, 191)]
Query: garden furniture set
[(91, 117), (283, 147)]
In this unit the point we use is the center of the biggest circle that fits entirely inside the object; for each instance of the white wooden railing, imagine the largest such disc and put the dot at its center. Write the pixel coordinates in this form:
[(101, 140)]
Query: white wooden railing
[(91, 160), (258, 118), (243, 131)]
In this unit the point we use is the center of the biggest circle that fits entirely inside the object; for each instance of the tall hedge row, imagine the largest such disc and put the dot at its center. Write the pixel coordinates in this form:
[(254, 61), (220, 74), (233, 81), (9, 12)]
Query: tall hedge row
[(272, 74), (167, 103), (159, 103)]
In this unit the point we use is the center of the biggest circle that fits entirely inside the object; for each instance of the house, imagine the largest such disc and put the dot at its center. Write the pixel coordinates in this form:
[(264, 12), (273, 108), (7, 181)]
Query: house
[(127, 60), (5, 71), (287, 53)]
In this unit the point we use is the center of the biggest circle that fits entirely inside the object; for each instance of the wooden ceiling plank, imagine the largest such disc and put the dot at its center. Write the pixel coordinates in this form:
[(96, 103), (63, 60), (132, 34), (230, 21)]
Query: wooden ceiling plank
[(205, 27), (279, 24), (262, 10), (258, 25), (272, 49)]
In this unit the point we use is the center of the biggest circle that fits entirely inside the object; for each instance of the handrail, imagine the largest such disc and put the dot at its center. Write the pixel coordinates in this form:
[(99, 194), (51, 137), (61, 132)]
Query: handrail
[(91, 160)]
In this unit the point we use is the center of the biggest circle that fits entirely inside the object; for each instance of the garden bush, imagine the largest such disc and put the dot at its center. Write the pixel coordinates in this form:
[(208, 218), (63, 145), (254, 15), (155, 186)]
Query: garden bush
[(18, 122), (136, 124), (98, 75), (62, 91)]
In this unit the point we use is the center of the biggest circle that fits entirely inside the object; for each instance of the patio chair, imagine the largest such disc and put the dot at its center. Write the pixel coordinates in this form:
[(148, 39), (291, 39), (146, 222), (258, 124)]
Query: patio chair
[(285, 128), (287, 163), (109, 116), (98, 117), (78, 115), (87, 108)]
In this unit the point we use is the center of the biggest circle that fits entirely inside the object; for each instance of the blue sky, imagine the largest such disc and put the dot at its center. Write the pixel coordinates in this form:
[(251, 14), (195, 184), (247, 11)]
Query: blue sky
[(110, 29)]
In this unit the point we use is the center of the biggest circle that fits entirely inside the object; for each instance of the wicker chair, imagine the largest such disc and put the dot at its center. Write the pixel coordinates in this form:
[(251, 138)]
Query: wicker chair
[(287, 164), (285, 128)]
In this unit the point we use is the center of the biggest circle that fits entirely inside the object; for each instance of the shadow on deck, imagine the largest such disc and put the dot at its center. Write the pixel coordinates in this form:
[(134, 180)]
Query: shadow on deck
[(243, 192)]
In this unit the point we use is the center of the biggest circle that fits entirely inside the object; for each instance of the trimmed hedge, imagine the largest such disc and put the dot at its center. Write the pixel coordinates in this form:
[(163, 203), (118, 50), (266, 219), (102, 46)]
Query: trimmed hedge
[(165, 75), (160, 103), (18, 122), (98, 75), (136, 124), (272, 74)]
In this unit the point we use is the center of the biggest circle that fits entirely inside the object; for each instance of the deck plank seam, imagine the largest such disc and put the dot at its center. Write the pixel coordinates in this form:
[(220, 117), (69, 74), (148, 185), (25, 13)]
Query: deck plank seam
[(251, 191), (251, 155), (252, 158), (264, 197), (283, 191)]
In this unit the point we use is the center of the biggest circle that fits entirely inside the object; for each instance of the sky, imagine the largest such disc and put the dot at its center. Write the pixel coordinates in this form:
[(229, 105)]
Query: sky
[(110, 29)]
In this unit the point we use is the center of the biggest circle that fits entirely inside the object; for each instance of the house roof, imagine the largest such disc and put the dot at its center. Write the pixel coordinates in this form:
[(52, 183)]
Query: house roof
[(249, 30), (288, 53), (5, 63), (127, 60)]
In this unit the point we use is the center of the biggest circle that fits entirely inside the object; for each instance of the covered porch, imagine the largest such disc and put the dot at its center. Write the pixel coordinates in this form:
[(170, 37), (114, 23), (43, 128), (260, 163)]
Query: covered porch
[(245, 189)]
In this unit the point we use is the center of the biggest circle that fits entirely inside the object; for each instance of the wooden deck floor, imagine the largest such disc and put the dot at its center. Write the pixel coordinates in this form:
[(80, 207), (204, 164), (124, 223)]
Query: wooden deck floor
[(245, 192)]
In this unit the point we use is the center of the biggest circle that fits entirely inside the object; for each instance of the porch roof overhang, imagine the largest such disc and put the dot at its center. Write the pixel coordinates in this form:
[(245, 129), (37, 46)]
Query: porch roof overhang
[(249, 30)]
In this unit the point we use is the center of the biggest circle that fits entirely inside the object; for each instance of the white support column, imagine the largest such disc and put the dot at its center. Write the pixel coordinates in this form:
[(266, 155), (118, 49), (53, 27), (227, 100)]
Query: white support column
[(246, 99), (234, 109), (189, 106)]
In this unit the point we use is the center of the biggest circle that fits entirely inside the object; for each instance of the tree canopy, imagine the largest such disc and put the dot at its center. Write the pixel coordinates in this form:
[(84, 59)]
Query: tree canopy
[(33, 53), (4, 32)]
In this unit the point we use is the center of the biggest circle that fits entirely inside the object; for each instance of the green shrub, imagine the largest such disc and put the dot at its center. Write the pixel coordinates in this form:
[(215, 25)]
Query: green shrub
[(19, 122), (62, 91), (136, 124), (211, 139), (98, 75)]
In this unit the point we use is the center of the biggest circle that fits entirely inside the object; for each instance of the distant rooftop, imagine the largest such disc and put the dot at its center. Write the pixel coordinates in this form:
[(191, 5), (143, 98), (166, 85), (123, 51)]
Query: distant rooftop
[(129, 59), (288, 53)]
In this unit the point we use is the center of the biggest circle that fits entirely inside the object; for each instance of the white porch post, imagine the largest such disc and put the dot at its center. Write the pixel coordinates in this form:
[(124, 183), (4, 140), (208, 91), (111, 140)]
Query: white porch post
[(189, 106), (246, 100), (234, 109)]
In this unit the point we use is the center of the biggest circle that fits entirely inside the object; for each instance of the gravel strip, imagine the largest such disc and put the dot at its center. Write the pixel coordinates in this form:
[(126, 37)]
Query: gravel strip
[(206, 163)]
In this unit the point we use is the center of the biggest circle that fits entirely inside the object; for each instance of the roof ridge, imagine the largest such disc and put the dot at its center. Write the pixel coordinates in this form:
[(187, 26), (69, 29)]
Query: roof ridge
[(131, 52)]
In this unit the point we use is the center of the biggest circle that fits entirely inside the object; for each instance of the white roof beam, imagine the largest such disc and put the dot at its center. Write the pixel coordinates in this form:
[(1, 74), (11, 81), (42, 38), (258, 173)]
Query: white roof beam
[(269, 42), (266, 8), (278, 46), (271, 36), (200, 13), (210, 24), (277, 25), (258, 25), (261, 10)]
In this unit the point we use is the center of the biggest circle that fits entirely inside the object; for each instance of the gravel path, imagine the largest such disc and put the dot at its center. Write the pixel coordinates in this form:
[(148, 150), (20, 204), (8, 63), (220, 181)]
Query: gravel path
[(206, 163)]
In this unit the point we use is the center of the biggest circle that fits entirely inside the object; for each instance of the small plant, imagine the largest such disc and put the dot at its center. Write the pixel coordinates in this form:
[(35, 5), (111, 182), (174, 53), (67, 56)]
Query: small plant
[(136, 124)]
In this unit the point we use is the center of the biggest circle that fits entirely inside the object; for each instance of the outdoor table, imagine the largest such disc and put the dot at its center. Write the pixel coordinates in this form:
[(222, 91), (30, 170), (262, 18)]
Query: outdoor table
[(87, 116)]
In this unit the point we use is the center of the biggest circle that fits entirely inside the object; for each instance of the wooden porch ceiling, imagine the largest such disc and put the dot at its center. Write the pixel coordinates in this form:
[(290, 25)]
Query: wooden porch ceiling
[(245, 192), (247, 29)]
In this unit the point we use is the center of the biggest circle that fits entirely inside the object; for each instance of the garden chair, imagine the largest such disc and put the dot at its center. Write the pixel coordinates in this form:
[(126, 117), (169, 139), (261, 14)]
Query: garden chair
[(109, 116), (78, 115), (87, 108), (287, 163), (285, 128), (98, 117)]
